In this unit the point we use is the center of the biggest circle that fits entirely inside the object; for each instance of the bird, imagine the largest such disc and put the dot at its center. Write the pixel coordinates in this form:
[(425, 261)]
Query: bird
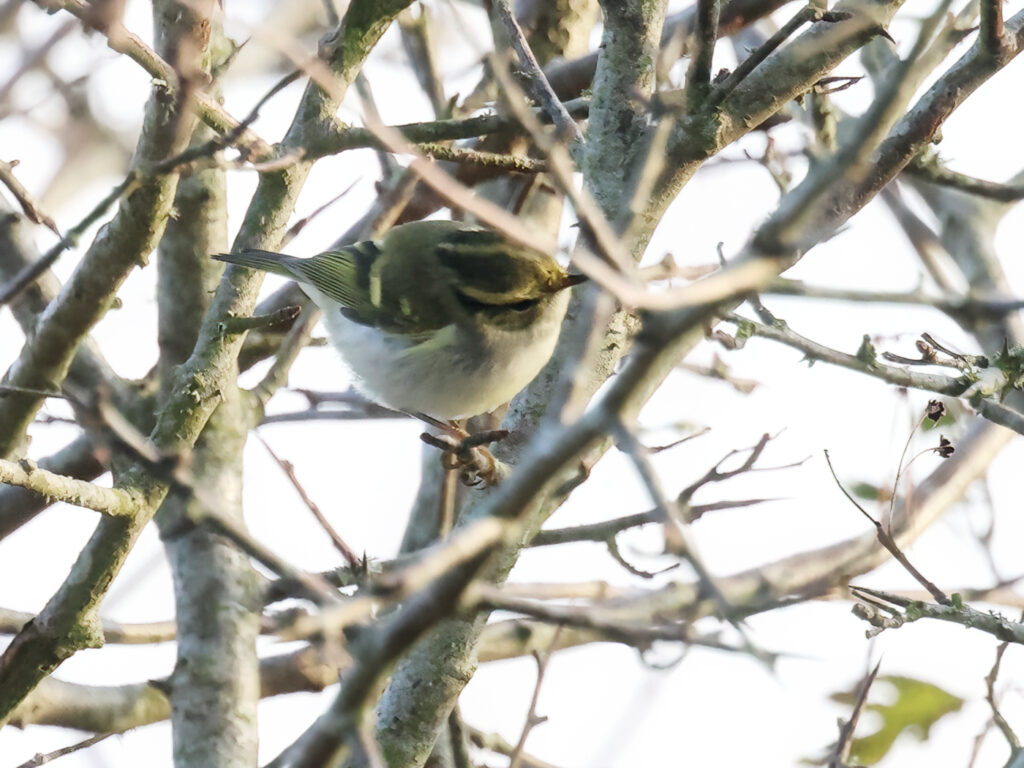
[(439, 319)]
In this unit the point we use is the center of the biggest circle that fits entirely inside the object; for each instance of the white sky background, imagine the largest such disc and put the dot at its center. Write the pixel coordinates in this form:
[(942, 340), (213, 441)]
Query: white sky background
[(605, 708)]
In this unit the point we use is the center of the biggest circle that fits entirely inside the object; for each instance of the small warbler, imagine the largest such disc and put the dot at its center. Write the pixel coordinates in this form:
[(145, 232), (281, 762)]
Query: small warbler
[(438, 318)]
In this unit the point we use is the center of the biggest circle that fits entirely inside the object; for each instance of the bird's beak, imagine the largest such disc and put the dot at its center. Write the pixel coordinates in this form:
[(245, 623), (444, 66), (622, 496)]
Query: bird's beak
[(568, 282)]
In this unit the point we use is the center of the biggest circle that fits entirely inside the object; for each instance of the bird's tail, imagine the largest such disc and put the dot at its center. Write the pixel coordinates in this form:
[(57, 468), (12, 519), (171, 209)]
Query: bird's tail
[(268, 261)]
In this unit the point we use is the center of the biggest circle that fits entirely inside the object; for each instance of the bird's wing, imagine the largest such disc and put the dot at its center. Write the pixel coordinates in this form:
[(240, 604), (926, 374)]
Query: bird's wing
[(370, 291), (344, 275)]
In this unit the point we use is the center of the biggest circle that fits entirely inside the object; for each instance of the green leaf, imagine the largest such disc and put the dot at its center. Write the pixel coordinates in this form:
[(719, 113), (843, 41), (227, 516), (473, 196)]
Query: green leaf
[(918, 706)]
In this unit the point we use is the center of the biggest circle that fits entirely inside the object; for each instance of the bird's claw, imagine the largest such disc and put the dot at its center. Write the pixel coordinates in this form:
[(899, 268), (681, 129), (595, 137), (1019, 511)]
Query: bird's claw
[(467, 454)]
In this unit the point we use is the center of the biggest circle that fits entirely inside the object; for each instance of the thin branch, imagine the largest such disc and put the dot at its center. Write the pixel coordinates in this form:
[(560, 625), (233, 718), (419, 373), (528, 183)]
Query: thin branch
[(131, 182), (340, 138), (934, 256), (419, 41), (295, 341), (378, 648), (513, 163), (40, 758), (28, 204), (930, 169), (795, 219), (30, 272), (841, 752), (698, 76), (612, 545), (12, 389), (114, 502), (79, 459), (428, 568), (495, 742), (903, 610), (289, 469), (600, 532), (994, 411), (532, 718), (886, 539), (608, 621), (11, 622), (677, 540), (281, 317), (458, 738), (990, 697), (969, 306), (562, 168), (759, 54), (991, 32), (717, 475), (121, 40), (538, 85)]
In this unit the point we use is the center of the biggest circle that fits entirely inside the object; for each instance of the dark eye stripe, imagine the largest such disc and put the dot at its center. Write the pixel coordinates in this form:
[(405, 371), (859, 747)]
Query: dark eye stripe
[(475, 305)]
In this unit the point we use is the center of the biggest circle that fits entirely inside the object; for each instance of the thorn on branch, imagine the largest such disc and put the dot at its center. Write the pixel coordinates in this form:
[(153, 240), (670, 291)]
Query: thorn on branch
[(836, 83)]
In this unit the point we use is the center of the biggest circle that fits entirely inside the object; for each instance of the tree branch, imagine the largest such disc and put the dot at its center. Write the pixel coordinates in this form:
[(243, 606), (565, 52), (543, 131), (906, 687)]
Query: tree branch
[(114, 502)]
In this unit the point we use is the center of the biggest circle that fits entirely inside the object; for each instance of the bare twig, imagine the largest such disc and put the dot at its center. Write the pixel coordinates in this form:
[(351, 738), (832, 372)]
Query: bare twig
[(28, 275), (600, 532), (677, 541), (887, 541), (991, 31), (990, 697), (866, 362), (289, 469), (532, 718), (109, 501), (611, 543), (28, 204), (40, 758), (131, 181), (494, 742), (970, 306), (903, 610), (295, 341), (929, 168), (210, 111), (749, 64), (11, 622), (841, 752), (608, 621), (537, 82), (698, 77)]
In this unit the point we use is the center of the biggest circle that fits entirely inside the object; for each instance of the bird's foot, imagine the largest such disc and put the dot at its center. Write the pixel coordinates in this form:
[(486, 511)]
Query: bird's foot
[(468, 454)]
